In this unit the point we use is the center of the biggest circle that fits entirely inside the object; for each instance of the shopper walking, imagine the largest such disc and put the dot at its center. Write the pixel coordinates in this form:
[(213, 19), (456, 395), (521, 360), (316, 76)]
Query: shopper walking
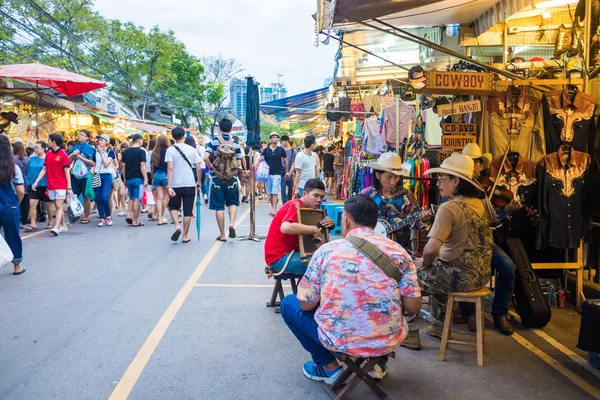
[(328, 174), (36, 164), (306, 164), (57, 170), (287, 183), (276, 158), (106, 169), (22, 161), (225, 164), (12, 191), (182, 182), (160, 179), (120, 186), (82, 158), (133, 168)]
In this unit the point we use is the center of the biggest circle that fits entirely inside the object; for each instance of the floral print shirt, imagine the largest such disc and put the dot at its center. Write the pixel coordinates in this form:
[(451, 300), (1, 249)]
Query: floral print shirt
[(396, 207), (360, 311)]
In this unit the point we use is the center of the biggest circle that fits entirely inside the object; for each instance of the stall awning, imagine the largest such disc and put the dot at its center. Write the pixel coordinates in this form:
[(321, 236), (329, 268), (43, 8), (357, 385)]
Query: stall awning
[(147, 127), (46, 100), (484, 14), (108, 120), (304, 106)]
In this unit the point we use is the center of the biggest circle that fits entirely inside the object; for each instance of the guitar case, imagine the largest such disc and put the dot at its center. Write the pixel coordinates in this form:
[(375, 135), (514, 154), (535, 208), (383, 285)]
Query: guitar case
[(530, 302)]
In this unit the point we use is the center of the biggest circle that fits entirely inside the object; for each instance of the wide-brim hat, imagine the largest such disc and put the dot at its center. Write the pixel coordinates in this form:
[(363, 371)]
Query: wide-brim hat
[(458, 165), (274, 134), (474, 151), (10, 116), (104, 136), (391, 162)]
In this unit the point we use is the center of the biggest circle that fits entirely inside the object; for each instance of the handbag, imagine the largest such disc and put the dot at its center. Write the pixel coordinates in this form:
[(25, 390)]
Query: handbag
[(89, 189), (96, 181), (6, 255), (148, 198)]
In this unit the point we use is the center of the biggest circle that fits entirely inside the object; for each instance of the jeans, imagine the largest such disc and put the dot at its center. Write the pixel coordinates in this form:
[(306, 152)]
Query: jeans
[(287, 187), (505, 284), (295, 266), (304, 327), (9, 221), (103, 194)]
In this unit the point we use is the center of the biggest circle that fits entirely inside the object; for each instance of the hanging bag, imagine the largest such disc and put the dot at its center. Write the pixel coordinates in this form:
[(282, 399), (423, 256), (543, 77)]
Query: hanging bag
[(89, 189), (262, 172), (6, 255)]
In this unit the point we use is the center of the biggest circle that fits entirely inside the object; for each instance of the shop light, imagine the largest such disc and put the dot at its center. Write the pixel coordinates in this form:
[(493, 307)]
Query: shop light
[(33, 123), (547, 15), (554, 3)]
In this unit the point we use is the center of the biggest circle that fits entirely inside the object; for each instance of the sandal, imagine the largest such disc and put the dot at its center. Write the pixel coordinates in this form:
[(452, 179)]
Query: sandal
[(84, 221), (221, 240), (175, 235), (20, 272), (49, 226), (139, 224), (31, 228)]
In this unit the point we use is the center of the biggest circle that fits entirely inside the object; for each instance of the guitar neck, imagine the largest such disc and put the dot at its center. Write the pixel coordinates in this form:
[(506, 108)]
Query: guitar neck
[(406, 221)]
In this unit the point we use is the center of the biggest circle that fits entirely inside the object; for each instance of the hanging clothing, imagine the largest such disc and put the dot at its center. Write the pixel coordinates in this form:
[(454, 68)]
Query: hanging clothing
[(565, 217), (407, 119), (371, 136), (516, 121), (372, 103), (567, 121), (433, 129)]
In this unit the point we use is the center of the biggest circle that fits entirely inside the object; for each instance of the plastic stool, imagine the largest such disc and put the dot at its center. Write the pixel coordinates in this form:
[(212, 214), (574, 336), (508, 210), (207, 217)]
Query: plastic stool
[(337, 219)]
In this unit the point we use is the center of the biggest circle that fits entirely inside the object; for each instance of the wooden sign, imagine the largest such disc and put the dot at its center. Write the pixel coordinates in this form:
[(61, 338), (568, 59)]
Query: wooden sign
[(459, 129), (476, 83), (445, 110), (443, 154), (456, 142)]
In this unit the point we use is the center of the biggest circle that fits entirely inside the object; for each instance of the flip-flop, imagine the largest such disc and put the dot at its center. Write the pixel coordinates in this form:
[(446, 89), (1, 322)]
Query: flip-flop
[(129, 220), (164, 223), (186, 241), (20, 272), (30, 229), (221, 240), (140, 224), (231, 232), (49, 226), (175, 235), (84, 221)]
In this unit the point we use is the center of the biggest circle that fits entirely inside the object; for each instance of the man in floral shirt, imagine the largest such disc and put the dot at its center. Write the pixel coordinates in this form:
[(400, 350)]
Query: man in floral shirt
[(346, 303)]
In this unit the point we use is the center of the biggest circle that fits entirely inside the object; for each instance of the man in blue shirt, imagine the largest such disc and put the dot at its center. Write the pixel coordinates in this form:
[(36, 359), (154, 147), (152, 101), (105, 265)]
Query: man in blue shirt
[(224, 194), (82, 157)]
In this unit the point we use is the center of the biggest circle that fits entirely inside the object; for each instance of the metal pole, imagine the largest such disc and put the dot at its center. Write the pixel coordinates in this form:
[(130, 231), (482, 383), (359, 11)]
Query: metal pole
[(586, 46), (252, 234), (37, 110), (505, 44)]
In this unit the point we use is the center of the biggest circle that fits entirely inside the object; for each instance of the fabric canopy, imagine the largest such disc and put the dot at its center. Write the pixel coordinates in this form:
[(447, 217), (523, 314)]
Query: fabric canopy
[(65, 82), (303, 106), (104, 118)]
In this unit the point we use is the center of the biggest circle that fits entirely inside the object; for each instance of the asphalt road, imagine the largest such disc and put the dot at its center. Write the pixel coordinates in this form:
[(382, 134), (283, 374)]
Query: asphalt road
[(125, 312)]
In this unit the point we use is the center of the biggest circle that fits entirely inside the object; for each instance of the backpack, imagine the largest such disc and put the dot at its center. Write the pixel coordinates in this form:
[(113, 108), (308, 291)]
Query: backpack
[(225, 164)]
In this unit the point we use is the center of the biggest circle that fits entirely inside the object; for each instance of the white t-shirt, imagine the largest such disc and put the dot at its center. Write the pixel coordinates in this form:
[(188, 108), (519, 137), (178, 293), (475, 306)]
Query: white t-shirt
[(201, 151), (100, 167), (307, 166), (182, 173)]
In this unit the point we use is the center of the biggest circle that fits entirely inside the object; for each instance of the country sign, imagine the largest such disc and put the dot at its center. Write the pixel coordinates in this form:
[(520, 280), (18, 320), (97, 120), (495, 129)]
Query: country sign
[(463, 82), (456, 142), (462, 107), (459, 129)]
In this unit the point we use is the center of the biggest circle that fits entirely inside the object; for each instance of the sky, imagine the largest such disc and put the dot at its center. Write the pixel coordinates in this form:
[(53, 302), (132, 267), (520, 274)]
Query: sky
[(265, 36)]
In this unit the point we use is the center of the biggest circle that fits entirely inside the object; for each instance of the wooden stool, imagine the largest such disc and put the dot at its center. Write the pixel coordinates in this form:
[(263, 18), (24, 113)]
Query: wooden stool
[(477, 297), (340, 389), (278, 289)]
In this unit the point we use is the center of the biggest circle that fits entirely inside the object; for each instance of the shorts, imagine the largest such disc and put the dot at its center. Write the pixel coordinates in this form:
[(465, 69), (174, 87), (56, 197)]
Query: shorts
[(273, 184), (339, 175), (57, 194), (328, 174), (133, 186), (295, 266), (185, 195), (117, 183), (40, 193), (160, 179), (78, 185), (224, 194)]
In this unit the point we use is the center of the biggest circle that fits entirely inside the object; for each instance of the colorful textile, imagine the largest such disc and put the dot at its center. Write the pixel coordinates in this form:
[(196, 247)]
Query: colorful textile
[(395, 208), (360, 310)]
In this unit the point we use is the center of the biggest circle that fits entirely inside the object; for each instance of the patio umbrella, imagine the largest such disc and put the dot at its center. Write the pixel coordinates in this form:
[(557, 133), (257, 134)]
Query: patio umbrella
[(65, 82), (198, 210)]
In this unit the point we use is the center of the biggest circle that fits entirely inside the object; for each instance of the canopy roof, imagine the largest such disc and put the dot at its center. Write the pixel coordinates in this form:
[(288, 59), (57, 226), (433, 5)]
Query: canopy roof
[(28, 95), (301, 107), (483, 14)]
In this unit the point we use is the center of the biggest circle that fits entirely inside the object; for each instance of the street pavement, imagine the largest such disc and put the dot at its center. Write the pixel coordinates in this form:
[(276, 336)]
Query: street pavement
[(123, 312)]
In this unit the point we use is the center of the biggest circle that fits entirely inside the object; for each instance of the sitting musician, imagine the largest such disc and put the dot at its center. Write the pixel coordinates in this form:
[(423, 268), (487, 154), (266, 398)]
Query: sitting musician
[(501, 262), (394, 202), (458, 254), (346, 303), (282, 240)]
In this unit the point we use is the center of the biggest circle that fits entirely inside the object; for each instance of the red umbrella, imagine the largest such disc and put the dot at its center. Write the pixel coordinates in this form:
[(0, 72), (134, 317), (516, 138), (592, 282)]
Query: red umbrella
[(65, 82)]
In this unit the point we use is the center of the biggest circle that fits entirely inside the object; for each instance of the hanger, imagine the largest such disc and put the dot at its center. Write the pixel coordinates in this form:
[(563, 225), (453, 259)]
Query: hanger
[(572, 90), (566, 151)]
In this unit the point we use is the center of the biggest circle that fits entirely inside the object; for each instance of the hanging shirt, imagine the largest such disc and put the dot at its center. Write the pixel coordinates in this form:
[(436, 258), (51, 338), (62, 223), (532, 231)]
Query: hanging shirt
[(567, 121), (562, 178), (433, 129), (371, 136), (407, 116)]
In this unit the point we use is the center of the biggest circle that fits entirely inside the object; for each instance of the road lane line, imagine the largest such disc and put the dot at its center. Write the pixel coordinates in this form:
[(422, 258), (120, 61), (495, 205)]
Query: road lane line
[(562, 348), (35, 234), (135, 369), (233, 285), (567, 373)]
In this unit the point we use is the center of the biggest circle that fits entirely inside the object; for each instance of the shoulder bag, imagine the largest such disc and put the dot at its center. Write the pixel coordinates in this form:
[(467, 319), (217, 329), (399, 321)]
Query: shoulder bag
[(379, 258), (187, 161)]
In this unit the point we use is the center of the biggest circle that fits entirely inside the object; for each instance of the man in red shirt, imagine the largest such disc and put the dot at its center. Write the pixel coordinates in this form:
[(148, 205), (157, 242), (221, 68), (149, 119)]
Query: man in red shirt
[(282, 239), (57, 169)]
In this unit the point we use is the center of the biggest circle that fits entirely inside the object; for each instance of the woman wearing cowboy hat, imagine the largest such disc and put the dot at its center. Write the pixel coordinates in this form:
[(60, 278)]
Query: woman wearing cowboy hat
[(458, 255)]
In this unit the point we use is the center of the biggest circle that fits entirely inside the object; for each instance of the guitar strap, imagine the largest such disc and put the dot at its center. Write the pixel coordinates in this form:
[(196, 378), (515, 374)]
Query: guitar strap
[(379, 258)]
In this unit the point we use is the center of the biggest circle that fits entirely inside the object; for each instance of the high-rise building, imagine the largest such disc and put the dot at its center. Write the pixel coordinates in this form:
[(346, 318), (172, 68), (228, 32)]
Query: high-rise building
[(237, 97), (274, 92)]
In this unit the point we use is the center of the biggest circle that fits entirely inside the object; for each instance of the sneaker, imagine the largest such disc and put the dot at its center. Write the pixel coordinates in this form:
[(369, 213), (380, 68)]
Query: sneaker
[(101, 223), (317, 373), (109, 221), (378, 372), (122, 213), (54, 231), (63, 229), (412, 341), (434, 330)]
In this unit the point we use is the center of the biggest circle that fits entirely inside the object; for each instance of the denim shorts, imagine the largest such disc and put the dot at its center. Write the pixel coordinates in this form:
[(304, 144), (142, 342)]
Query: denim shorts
[(295, 266), (133, 186), (273, 185), (160, 179), (224, 194)]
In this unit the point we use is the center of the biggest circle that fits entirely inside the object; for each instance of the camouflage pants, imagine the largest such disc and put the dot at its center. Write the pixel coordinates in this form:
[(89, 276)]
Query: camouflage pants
[(443, 278)]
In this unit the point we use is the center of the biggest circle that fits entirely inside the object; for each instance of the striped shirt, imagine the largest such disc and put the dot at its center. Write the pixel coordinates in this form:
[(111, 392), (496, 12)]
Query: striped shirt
[(211, 148)]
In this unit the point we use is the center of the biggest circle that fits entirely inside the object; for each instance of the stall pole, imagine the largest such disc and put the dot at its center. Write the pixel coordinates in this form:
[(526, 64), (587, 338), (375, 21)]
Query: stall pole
[(397, 124), (505, 43), (252, 234), (587, 41), (37, 110)]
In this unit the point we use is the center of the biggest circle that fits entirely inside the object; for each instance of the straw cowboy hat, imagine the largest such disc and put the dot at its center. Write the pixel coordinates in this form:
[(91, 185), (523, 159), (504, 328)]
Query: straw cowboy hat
[(458, 165), (391, 162), (274, 134), (474, 151)]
